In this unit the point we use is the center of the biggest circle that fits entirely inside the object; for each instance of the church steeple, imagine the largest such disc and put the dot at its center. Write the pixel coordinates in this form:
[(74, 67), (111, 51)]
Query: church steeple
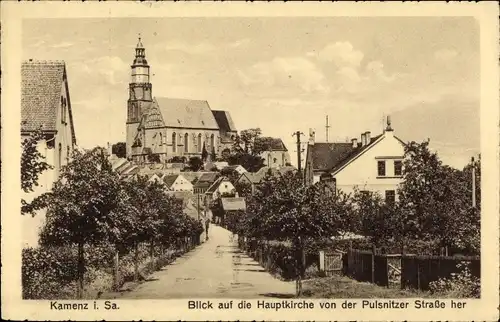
[(140, 67)]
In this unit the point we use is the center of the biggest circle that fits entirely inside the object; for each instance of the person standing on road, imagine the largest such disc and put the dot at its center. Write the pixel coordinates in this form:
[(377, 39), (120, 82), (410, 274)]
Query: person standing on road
[(207, 224)]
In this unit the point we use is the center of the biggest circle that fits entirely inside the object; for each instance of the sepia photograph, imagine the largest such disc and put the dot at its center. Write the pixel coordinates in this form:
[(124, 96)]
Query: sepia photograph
[(286, 158)]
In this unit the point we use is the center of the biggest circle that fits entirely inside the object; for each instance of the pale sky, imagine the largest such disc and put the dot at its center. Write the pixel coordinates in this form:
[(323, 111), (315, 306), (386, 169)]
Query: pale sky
[(280, 74)]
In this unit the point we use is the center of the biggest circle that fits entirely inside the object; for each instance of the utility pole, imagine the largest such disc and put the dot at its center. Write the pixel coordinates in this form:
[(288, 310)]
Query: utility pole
[(198, 207), (327, 127), (473, 184), (299, 149)]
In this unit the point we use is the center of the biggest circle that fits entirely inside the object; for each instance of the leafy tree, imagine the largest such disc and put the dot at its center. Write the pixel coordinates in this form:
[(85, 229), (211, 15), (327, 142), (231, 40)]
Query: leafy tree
[(81, 204), (374, 218), (178, 159), (195, 163), (213, 155), (154, 157), (284, 208), (435, 199), (32, 166), (252, 163), (243, 188), (244, 142), (262, 144), (204, 153), (119, 149)]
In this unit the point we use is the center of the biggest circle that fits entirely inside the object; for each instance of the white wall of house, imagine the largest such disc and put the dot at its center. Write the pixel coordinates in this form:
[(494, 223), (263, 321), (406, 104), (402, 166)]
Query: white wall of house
[(55, 157), (181, 184), (363, 171)]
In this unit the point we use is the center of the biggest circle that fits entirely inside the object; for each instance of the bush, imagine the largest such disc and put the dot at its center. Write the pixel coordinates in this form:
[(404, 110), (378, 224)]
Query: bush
[(459, 285), (45, 271)]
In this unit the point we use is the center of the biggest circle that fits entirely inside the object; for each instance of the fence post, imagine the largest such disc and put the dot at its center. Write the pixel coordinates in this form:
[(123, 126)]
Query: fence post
[(374, 250), (322, 262)]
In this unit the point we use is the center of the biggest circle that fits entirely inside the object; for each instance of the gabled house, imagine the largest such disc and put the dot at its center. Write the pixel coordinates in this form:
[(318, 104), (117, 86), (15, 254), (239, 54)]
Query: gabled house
[(277, 154), (227, 206), (177, 182), (46, 106), (222, 186), (205, 181), (374, 164)]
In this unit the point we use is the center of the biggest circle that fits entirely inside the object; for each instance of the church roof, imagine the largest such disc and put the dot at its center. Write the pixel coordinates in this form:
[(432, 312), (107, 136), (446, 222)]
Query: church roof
[(41, 84), (276, 144), (224, 121), (185, 113)]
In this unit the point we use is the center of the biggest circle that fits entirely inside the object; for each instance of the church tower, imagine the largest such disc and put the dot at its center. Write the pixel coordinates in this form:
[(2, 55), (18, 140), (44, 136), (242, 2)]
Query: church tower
[(140, 96)]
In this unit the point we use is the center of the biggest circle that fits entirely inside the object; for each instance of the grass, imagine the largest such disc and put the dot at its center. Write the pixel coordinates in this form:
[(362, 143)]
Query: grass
[(338, 286)]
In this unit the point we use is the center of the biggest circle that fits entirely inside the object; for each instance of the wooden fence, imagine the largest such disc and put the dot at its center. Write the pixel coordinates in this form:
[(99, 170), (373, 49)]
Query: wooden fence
[(405, 271)]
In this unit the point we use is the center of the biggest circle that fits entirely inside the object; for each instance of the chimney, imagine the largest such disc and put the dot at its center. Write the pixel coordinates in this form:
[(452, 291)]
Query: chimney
[(311, 136), (354, 143), (389, 127), (367, 137), (363, 139)]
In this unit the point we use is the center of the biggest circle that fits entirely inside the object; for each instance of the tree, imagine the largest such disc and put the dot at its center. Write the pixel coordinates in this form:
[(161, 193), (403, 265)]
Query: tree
[(262, 144), (204, 153), (195, 163), (284, 208), (154, 157), (252, 163), (32, 166), (119, 149), (435, 199), (81, 204), (243, 188), (213, 155), (244, 142)]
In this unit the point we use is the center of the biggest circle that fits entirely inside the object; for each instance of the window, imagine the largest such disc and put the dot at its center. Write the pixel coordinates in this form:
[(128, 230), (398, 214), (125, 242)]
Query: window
[(186, 142), (381, 168), (174, 143), (161, 139), (398, 168), (67, 154), (63, 110), (199, 143), (275, 160), (390, 196), (212, 141)]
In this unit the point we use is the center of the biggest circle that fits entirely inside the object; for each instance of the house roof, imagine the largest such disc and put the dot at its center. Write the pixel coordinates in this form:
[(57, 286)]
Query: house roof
[(184, 113), (276, 144), (41, 85), (170, 179), (333, 156), (232, 204), (223, 119), (209, 177), (216, 184)]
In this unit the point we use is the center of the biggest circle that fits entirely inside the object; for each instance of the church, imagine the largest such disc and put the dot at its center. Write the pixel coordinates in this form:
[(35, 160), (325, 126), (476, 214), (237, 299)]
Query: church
[(171, 127)]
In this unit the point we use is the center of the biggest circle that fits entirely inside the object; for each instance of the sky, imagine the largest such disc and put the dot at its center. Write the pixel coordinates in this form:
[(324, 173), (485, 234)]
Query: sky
[(281, 74)]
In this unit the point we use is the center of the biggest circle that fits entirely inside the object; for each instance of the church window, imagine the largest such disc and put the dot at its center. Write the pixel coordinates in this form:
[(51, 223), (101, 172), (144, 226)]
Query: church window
[(174, 143), (186, 142), (67, 154), (161, 139), (199, 142), (212, 141)]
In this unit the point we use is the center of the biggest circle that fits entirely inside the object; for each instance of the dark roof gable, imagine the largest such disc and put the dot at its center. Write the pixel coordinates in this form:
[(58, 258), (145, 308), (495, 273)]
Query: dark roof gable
[(223, 119), (332, 156)]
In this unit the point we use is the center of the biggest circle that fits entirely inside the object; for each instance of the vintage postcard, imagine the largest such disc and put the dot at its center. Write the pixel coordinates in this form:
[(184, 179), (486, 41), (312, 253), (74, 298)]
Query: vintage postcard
[(250, 161)]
